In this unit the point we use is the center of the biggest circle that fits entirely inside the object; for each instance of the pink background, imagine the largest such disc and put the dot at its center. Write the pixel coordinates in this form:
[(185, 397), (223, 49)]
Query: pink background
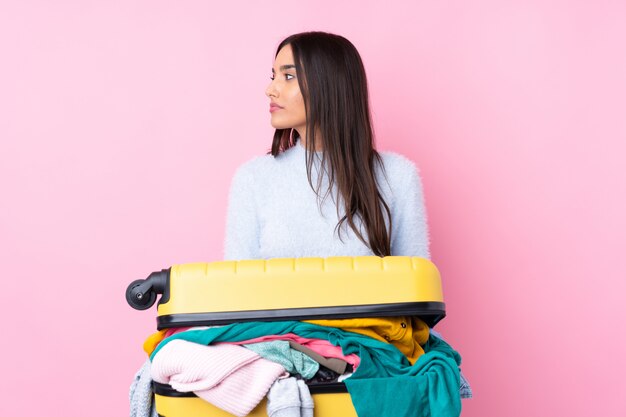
[(122, 122)]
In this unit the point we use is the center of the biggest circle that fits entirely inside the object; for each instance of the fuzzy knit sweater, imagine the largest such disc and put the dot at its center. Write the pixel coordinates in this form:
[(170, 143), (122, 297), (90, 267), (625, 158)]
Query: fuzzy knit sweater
[(230, 377), (274, 213)]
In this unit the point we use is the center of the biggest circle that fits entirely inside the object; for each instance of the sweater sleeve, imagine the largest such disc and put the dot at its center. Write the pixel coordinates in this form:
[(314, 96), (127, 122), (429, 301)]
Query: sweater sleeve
[(242, 228), (409, 236)]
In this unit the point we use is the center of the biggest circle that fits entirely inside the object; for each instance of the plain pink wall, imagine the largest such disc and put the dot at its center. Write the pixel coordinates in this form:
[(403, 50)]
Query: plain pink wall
[(121, 123)]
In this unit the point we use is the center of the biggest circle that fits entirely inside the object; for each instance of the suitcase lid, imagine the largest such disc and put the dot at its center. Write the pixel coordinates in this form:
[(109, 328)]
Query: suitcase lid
[(300, 288)]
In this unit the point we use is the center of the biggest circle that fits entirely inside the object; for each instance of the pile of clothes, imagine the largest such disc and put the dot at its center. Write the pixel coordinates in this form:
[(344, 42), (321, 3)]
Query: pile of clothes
[(391, 366)]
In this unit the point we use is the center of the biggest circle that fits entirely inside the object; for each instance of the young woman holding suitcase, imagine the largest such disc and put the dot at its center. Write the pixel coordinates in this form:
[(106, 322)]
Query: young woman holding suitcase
[(323, 190)]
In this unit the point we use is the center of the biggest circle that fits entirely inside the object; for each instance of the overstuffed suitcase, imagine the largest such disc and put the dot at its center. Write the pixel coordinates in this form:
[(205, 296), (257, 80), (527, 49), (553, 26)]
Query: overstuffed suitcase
[(216, 293)]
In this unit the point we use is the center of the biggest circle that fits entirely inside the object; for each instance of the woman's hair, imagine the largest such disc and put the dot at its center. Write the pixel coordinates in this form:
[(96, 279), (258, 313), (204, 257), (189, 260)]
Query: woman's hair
[(332, 80)]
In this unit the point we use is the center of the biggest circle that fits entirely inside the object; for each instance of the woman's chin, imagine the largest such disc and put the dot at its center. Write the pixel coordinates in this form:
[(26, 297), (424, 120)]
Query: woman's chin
[(278, 125)]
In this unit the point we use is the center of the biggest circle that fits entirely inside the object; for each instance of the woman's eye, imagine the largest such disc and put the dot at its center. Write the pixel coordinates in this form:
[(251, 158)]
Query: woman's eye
[(287, 77)]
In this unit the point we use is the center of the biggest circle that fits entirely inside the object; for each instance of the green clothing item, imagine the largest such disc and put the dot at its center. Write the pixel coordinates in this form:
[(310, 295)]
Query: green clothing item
[(293, 361), (432, 390), (384, 384)]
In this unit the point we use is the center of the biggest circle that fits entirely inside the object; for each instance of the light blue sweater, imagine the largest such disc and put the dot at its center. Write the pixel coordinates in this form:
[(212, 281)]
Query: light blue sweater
[(274, 213)]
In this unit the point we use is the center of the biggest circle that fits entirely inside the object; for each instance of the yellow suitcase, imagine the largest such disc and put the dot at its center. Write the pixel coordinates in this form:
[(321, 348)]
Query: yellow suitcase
[(224, 292)]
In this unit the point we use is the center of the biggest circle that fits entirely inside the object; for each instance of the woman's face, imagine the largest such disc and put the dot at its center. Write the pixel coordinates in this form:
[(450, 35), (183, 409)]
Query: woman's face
[(286, 101)]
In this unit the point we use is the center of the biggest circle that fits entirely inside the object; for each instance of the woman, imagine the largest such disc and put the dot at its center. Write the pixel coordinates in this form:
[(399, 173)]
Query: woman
[(324, 190)]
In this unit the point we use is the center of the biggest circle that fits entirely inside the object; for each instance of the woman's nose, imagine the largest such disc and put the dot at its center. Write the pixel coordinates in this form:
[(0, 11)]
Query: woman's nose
[(271, 91)]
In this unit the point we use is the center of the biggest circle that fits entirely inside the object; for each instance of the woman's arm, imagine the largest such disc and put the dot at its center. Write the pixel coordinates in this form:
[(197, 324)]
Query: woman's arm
[(242, 228), (409, 236)]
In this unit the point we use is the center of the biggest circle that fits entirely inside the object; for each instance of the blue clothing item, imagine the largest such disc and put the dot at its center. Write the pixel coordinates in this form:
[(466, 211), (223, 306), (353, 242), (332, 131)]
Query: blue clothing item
[(289, 397), (293, 361), (465, 390), (274, 213), (428, 388), (140, 395)]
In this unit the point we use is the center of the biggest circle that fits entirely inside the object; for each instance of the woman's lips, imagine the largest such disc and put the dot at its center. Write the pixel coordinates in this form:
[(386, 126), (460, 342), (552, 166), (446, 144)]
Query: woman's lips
[(274, 107)]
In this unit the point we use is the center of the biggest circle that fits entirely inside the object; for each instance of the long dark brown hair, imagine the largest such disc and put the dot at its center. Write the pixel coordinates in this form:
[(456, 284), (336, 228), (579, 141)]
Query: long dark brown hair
[(332, 80)]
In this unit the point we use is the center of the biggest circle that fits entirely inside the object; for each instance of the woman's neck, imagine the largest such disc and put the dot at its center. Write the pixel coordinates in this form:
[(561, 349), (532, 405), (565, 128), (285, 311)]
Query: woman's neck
[(318, 142)]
